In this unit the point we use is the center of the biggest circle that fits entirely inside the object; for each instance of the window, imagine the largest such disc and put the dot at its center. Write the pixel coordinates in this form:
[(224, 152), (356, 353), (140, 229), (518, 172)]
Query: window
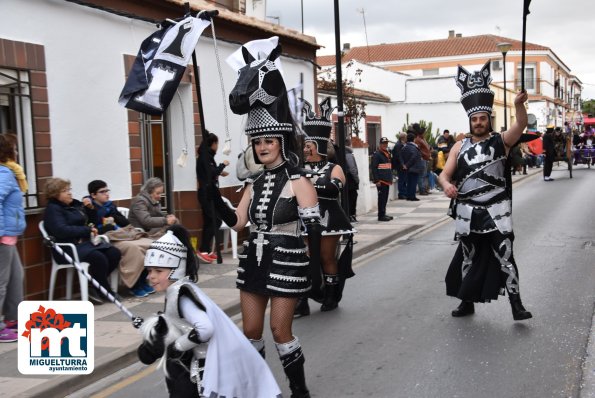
[(155, 153), (16, 118), (430, 72), (530, 78)]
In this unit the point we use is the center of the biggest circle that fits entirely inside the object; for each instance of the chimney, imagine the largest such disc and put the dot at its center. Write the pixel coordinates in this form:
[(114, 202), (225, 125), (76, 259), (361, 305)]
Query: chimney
[(451, 34), (459, 35), (346, 46)]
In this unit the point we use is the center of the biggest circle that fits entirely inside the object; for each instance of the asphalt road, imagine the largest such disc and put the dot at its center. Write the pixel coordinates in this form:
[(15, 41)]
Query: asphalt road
[(393, 335)]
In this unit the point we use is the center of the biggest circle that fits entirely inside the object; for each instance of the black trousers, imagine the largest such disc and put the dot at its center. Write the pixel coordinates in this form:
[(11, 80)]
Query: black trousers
[(382, 199), (548, 163), (352, 197), (210, 224)]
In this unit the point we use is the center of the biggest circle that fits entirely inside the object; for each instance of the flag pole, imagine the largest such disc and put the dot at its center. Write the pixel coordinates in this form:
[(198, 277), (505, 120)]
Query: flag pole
[(525, 13), (207, 15)]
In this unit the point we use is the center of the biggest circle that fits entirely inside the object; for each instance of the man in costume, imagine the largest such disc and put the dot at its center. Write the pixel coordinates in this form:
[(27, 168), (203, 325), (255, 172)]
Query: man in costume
[(476, 179)]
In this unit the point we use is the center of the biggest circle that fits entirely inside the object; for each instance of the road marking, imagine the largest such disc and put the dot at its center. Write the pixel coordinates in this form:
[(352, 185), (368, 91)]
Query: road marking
[(126, 382)]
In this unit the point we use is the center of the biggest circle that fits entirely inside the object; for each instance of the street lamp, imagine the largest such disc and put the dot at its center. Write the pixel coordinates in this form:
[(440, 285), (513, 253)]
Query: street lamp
[(504, 48)]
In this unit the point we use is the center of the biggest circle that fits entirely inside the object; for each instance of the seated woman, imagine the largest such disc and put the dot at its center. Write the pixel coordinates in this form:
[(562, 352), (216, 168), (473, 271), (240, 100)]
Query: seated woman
[(145, 210), (65, 220), (102, 213)]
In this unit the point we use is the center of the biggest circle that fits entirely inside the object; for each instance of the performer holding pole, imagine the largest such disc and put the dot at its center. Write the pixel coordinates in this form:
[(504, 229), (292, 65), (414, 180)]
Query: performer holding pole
[(474, 177)]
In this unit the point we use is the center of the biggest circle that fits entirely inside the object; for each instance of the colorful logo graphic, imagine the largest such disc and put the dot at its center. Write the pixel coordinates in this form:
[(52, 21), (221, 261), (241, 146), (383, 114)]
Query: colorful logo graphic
[(56, 337)]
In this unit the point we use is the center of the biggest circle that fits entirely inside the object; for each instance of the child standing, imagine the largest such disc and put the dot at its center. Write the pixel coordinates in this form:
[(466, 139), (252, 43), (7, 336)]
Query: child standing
[(203, 352)]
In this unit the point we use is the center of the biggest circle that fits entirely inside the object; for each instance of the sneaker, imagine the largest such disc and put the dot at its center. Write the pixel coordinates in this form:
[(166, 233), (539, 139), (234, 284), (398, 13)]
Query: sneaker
[(203, 256), (213, 256), (95, 297), (139, 292), (14, 325), (8, 336), (148, 288)]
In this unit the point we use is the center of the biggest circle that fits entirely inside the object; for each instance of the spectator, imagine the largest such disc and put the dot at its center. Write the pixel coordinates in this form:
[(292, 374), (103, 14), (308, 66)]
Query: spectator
[(66, 221), (382, 176), (518, 162), (133, 244), (397, 165), (352, 176), (424, 147), (445, 142), (12, 225), (207, 167), (145, 210), (413, 164)]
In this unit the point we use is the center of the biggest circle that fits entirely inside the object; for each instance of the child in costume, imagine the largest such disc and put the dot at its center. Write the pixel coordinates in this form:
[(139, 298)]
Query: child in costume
[(201, 349)]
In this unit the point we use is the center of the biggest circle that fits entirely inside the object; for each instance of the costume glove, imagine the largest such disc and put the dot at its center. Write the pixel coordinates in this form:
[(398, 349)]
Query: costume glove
[(328, 188), (223, 211)]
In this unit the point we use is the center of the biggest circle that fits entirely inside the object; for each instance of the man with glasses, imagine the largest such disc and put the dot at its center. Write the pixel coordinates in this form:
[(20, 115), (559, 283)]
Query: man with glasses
[(104, 214)]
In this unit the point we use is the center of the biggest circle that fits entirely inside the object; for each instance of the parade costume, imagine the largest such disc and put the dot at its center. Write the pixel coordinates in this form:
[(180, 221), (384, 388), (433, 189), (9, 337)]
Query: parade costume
[(274, 261), (483, 266), (203, 352), (333, 219)]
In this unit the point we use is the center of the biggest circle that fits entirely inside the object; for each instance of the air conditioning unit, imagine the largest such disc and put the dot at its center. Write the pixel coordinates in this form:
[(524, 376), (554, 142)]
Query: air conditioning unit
[(496, 64)]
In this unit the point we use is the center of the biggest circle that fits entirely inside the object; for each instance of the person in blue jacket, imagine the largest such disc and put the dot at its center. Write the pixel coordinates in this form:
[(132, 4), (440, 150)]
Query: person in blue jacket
[(12, 224), (65, 220)]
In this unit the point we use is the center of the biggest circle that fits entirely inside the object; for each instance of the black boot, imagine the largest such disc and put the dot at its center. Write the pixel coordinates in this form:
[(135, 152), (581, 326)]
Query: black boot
[(464, 309), (519, 312), (302, 308), (329, 302), (293, 366)]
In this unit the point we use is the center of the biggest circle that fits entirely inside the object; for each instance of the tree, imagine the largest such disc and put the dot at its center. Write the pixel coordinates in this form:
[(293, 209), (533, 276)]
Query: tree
[(588, 107), (428, 136), (353, 106)]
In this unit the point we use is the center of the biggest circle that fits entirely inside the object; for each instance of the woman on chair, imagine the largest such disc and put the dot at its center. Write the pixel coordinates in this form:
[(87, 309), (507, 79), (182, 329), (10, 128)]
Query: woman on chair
[(65, 220), (328, 179), (274, 265)]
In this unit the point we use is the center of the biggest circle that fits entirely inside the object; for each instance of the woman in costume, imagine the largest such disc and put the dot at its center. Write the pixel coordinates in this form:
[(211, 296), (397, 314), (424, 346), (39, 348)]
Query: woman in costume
[(278, 202), (328, 179), (202, 351)]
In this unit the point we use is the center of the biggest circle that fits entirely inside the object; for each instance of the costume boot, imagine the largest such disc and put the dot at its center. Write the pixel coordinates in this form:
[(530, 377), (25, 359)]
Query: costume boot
[(519, 312), (259, 345), (293, 360), (301, 308), (464, 309), (329, 302)]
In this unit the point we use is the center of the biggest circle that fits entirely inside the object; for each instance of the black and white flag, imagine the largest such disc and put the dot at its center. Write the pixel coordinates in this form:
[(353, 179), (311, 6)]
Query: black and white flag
[(160, 65)]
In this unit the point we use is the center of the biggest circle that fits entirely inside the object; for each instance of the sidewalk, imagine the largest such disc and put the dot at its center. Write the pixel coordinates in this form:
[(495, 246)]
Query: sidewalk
[(116, 339)]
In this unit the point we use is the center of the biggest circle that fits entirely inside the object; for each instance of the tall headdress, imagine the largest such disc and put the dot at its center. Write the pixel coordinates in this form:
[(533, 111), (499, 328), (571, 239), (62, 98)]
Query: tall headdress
[(168, 252), (260, 91), (476, 95), (318, 128)]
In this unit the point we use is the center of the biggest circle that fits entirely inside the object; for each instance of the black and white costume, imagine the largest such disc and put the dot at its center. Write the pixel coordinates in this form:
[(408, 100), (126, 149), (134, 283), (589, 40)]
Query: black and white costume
[(274, 260), (203, 352), (483, 266)]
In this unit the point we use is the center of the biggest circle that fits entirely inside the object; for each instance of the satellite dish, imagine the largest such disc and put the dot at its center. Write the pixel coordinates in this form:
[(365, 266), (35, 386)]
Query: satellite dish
[(531, 119)]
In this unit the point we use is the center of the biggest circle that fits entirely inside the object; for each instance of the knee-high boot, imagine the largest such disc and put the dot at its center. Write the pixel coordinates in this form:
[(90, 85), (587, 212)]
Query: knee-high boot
[(519, 312), (329, 302), (302, 308), (293, 360), (259, 345)]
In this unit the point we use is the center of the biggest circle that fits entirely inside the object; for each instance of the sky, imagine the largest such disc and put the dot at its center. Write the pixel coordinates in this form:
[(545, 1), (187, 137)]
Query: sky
[(566, 27)]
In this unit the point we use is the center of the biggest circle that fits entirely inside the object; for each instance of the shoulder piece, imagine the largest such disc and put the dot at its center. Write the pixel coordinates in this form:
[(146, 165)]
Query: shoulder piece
[(295, 173), (187, 291)]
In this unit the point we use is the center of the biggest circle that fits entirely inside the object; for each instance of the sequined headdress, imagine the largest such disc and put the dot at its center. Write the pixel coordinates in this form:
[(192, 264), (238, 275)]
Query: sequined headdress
[(318, 128), (476, 95)]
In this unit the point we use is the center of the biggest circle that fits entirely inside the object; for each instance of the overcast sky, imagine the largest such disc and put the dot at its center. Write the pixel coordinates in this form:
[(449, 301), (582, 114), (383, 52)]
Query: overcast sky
[(567, 27)]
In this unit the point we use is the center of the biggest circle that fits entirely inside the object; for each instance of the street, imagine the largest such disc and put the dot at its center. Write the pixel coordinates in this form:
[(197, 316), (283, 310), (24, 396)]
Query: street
[(393, 335)]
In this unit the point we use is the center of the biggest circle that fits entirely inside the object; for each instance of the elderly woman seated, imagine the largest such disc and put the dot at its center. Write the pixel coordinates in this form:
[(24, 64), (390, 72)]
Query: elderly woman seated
[(65, 220), (133, 244), (145, 210)]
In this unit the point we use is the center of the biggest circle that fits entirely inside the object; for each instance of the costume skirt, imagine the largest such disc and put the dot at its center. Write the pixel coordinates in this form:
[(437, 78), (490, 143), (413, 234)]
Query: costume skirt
[(482, 268), (283, 269), (334, 219)]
